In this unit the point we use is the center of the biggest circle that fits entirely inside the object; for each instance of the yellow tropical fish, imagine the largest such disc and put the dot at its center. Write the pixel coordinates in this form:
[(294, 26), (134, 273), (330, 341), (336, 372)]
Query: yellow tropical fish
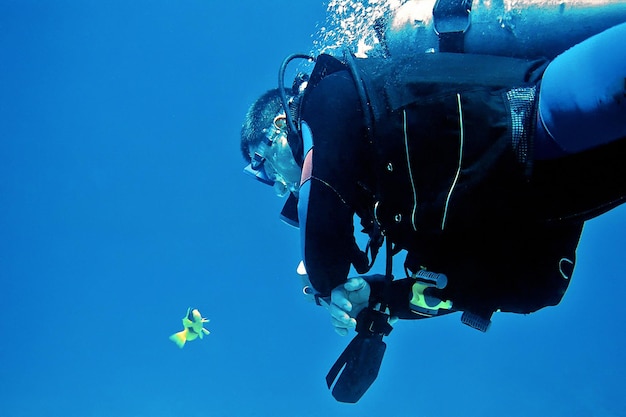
[(192, 328)]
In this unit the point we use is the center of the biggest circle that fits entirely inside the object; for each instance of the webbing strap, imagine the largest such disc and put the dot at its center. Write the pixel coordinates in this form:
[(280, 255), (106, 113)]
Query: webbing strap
[(364, 100), (451, 19)]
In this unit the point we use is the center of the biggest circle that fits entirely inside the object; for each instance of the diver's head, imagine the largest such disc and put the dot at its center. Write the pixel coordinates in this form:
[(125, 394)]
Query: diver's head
[(265, 145)]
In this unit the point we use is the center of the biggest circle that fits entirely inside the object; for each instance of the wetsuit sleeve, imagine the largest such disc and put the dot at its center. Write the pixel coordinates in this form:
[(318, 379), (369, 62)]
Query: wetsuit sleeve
[(327, 236), (585, 108), (326, 202)]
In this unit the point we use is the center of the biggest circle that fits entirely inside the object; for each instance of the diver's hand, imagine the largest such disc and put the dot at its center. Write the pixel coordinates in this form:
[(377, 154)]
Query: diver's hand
[(346, 302)]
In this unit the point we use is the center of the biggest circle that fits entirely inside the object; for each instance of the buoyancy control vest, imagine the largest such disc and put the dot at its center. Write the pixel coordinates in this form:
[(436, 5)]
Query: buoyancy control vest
[(452, 135), (446, 129)]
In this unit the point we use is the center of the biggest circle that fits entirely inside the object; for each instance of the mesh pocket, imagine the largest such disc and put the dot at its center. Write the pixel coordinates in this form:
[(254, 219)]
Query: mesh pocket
[(522, 106)]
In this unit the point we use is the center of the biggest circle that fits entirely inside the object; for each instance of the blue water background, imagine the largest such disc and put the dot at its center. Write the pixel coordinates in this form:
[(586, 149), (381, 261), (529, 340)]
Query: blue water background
[(122, 203)]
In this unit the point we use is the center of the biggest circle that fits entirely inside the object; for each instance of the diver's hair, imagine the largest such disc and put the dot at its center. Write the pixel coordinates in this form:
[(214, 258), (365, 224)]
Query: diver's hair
[(259, 116)]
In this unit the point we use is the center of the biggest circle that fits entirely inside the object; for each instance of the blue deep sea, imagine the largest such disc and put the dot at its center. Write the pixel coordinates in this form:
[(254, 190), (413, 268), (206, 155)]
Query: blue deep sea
[(123, 203)]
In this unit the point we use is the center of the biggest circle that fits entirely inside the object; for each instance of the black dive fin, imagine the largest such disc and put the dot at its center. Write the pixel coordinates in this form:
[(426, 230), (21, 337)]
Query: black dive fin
[(357, 367)]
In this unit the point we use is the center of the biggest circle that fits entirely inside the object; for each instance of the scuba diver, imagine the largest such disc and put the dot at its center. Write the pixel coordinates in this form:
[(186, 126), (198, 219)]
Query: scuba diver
[(482, 168)]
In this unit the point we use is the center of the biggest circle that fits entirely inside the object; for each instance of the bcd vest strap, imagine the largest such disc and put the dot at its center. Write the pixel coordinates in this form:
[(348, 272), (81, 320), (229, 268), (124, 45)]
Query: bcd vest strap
[(451, 19)]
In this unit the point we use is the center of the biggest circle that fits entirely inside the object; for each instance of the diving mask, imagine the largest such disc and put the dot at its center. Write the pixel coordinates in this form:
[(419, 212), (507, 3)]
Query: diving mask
[(273, 162)]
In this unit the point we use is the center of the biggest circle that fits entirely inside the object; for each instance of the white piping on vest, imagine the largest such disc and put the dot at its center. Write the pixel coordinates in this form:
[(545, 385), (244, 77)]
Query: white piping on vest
[(408, 162), (564, 260), (458, 170), (331, 187)]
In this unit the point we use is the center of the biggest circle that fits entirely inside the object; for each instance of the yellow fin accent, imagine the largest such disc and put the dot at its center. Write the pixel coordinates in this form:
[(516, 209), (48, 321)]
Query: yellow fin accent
[(179, 338)]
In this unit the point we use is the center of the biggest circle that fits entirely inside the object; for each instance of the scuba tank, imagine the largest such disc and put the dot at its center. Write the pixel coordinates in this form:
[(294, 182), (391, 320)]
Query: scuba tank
[(514, 28)]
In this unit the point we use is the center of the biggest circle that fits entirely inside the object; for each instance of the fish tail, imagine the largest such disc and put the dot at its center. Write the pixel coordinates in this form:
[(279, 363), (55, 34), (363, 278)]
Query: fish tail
[(179, 338)]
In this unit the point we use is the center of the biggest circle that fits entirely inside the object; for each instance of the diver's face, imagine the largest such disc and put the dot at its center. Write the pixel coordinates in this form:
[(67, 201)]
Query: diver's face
[(279, 164)]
